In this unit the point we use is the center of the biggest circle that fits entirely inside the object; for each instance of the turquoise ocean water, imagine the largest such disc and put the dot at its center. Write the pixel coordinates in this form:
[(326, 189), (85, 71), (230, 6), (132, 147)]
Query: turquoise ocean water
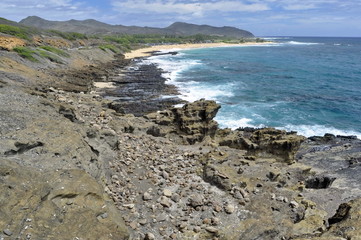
[(304, 84)]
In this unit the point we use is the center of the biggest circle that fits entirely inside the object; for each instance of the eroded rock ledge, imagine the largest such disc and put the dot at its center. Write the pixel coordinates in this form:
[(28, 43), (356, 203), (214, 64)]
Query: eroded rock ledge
[(73, 166)]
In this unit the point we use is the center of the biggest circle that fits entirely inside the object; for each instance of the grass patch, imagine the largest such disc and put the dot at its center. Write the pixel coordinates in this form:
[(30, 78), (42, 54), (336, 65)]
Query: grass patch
[(49, 56), (26, 53), (57, 51), (111, 47), (14, 31), (30, 54)]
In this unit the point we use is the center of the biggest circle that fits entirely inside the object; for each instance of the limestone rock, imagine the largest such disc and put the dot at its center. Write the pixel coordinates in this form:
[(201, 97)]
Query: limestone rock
[(263, 142), (193, 120), (57, 204)]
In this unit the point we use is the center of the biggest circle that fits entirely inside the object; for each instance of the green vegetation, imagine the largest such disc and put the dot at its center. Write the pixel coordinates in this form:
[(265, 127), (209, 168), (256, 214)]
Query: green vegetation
[(129, 41), (111, 47), (26, 53), (49, 56), (15, 31), (47, 52), (57, 51), (69, 35)]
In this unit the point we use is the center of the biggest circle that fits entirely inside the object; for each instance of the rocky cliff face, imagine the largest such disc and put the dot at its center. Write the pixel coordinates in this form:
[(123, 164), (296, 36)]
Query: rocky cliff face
[(74, 165)]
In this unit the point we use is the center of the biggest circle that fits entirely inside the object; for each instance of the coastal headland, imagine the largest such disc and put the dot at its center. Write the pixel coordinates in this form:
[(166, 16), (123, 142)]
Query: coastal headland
[(77, 163)]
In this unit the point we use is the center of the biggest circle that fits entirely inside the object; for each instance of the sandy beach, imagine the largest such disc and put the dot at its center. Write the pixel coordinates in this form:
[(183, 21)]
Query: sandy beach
[(145, 52)]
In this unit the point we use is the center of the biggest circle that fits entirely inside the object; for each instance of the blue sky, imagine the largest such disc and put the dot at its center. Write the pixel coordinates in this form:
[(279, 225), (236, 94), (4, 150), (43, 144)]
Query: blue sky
[(261, 17)]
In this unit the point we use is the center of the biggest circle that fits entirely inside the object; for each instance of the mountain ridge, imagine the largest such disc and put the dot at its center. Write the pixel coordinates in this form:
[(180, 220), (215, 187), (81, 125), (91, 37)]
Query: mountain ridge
[(91, 26)]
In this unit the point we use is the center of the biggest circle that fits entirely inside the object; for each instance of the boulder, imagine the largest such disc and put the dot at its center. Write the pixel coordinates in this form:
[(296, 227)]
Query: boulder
[(194, 121)]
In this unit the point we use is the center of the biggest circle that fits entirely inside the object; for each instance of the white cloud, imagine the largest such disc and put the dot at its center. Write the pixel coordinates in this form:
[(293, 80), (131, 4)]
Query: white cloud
[(296, 7), (195, 8), (50, 9)]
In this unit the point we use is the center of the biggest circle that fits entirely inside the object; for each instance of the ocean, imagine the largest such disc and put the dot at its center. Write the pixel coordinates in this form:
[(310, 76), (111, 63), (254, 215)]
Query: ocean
[(311, 85)]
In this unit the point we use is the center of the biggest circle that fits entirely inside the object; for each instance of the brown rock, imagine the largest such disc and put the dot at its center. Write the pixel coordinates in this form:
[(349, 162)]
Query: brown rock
[(264, 142), (194, 120)]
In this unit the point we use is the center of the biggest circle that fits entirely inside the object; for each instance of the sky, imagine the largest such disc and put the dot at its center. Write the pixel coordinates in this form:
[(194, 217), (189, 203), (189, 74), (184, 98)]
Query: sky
[(261, 17)]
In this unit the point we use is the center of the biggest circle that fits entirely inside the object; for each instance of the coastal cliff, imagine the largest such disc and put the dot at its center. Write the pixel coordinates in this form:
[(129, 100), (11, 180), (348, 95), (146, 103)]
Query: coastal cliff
[(77, 165)]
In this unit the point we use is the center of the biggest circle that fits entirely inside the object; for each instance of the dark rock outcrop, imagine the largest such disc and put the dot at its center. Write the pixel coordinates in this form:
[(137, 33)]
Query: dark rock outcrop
[(320, 182), (140, 90)]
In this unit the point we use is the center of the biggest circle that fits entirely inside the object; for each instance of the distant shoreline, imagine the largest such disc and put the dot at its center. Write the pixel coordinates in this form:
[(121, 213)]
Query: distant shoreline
[(146, 52)]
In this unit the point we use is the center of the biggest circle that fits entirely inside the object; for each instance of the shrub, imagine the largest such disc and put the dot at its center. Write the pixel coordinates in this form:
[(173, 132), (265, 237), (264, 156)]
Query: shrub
[(57, 51), (111, 47), (51, 57), (14, 31), (26, 53)]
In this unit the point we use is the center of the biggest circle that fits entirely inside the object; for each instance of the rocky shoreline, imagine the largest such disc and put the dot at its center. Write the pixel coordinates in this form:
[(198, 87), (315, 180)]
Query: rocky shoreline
[(140, 89), (75, 165)]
